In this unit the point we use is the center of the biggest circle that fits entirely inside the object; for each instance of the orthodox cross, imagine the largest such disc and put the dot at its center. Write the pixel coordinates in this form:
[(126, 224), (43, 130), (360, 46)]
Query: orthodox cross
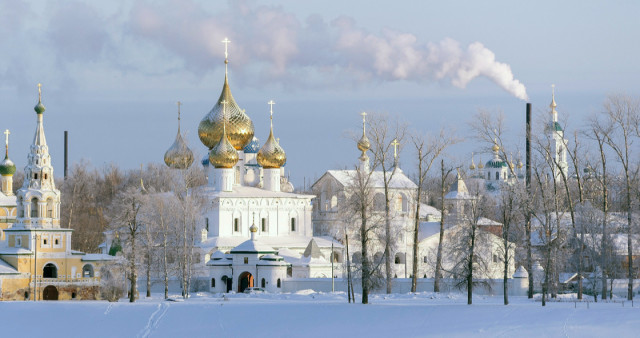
[(271, 103), (226, 47), (363, 121), (395, 145), (6, 140), (39, 91)]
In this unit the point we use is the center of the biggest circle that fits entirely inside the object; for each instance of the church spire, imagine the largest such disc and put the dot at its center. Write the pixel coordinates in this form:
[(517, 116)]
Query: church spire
[(364, 145), (553, 105)]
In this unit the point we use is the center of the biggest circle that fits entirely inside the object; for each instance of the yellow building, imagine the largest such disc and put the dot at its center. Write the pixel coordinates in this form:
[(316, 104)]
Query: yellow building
[(36, 260)]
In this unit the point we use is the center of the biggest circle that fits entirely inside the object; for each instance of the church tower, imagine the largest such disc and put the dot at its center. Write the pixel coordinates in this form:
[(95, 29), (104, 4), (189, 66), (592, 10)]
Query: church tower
[(558, 143), (38, 201)]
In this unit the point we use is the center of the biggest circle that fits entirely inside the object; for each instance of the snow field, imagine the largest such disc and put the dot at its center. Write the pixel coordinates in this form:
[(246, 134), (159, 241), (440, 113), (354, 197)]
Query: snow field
[(310, 314)]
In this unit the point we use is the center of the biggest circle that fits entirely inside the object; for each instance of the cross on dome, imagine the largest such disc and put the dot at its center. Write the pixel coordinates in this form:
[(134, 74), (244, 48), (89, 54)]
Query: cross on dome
[(39, 92), (226, 42), (6, 137), (395, 145)]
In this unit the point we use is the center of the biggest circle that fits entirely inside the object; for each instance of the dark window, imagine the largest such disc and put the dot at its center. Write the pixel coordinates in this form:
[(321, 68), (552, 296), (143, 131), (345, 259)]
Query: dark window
[(87, 271), (213, 282), (263, 283), (73, 295), (293, 224), (246, 260), (264, 224), (236, 224), (57, 242), (50, 271), (35, 176), (489, 176), (424, 259), (44, 241), (206, 221), (278, 282), (34, 207)]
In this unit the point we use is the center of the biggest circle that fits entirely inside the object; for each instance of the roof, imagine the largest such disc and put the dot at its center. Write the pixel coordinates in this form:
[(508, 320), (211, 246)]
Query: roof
[(250, 192), (426, 209), (496, 163), (6, 269), (7, 201), (398, 181), (15, 251), (97, 257), (252, 246), (312, 250), (279, 243), (458, 190)]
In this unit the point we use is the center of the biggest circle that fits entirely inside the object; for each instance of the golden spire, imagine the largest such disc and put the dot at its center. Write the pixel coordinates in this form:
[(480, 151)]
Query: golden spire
[(363, 143), (473, 164), (271, 155), (178, 156), (240, 128), (480, 165), (223, 154)]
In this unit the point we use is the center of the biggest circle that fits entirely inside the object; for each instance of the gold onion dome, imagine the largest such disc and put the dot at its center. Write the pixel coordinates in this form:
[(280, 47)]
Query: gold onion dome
[(223, 154), (271, 155), (178, 156), (239, 126), (473, 164), (363, 143)]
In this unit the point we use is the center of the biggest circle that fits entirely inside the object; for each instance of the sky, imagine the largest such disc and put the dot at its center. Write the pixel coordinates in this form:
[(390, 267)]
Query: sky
[(112, 72)]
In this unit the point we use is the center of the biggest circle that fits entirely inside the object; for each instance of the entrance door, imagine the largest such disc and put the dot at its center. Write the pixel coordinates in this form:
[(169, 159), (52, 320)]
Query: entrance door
[(245, 281), (50, 293)]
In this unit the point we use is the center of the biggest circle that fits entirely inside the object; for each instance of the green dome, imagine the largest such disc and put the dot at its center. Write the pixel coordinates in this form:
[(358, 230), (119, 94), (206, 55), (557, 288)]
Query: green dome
[(7, 168), (557, 126), (39, 108), (496, 164)]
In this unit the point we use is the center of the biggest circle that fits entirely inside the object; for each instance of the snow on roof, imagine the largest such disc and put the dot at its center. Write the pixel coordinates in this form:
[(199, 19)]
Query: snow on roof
[(458, 190), (6, 269), (280, 242), (286, 252), (398, 181), (97, 257), (426, 209), (15, 251), (218, 255), (249, 192), (428, 229), (7, 201), (521, 272), (252, 246), (312, 250)]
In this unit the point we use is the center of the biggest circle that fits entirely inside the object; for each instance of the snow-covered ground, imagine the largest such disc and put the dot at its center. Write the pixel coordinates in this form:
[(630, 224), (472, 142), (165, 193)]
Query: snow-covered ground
[(310, 314)]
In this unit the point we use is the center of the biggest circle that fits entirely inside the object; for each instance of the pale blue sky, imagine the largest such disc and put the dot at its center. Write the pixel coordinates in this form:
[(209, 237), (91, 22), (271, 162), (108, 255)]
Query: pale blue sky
[(112, 72)]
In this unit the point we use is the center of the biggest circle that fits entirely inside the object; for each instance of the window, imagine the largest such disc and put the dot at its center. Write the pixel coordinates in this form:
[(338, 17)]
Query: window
[(26, 295), (497, 175), (206, 223), (279, 283), (504, 175), (399, 203), (424, 259), (495, 258), (34, 207), (35, 176), (246, 260), (73, 295), (87, 271), (50, 271), (20, 208), (264, 224), (488, 176), (18, 242), (50, 208), (213, 282), (236, 224), (334, 202), (44, 241), (56, 242), (293, 224), (45, 176), (263, 283)]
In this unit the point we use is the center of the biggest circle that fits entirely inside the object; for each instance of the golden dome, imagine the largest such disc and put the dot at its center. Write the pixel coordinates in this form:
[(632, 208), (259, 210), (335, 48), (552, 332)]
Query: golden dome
[(178, 156), (480, 165), (363, 143), (223, 154), (495, 147), (271, 155), (239, 126)]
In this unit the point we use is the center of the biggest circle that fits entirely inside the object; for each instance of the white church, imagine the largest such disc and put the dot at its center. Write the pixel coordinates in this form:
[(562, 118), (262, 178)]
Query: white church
[(257, 232)]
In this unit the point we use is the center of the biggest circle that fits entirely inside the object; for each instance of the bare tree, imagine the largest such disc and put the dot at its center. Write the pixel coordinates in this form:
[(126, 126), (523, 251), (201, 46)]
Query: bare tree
[(620, 128), (386, 140), (427, 154), (126, 218), (507, 214), (444, 174)]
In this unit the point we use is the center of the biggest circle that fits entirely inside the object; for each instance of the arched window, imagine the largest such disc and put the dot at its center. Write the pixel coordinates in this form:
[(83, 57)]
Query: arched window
[(263, 283), (377, 258), (34, 207), (293, 224), (87, 271), (50, 271), (336, 257), (279, 283), (263, 223), (334, 202), (20, 207), (50, 208), (236, 224), (357, 258), (489, 176), (504, 175), (213, 282), (497, 175), (399, 259)]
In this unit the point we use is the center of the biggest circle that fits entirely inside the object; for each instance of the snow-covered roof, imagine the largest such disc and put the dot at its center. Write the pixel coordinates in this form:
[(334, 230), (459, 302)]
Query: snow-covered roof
[(97, 257), (426, 209), (312, 250), (15, 251), (252, 246), (521, 272), (398, 181), (458, 190), (279, 243), (6, 269), (7, 201), (428, 229), (249, 192)]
